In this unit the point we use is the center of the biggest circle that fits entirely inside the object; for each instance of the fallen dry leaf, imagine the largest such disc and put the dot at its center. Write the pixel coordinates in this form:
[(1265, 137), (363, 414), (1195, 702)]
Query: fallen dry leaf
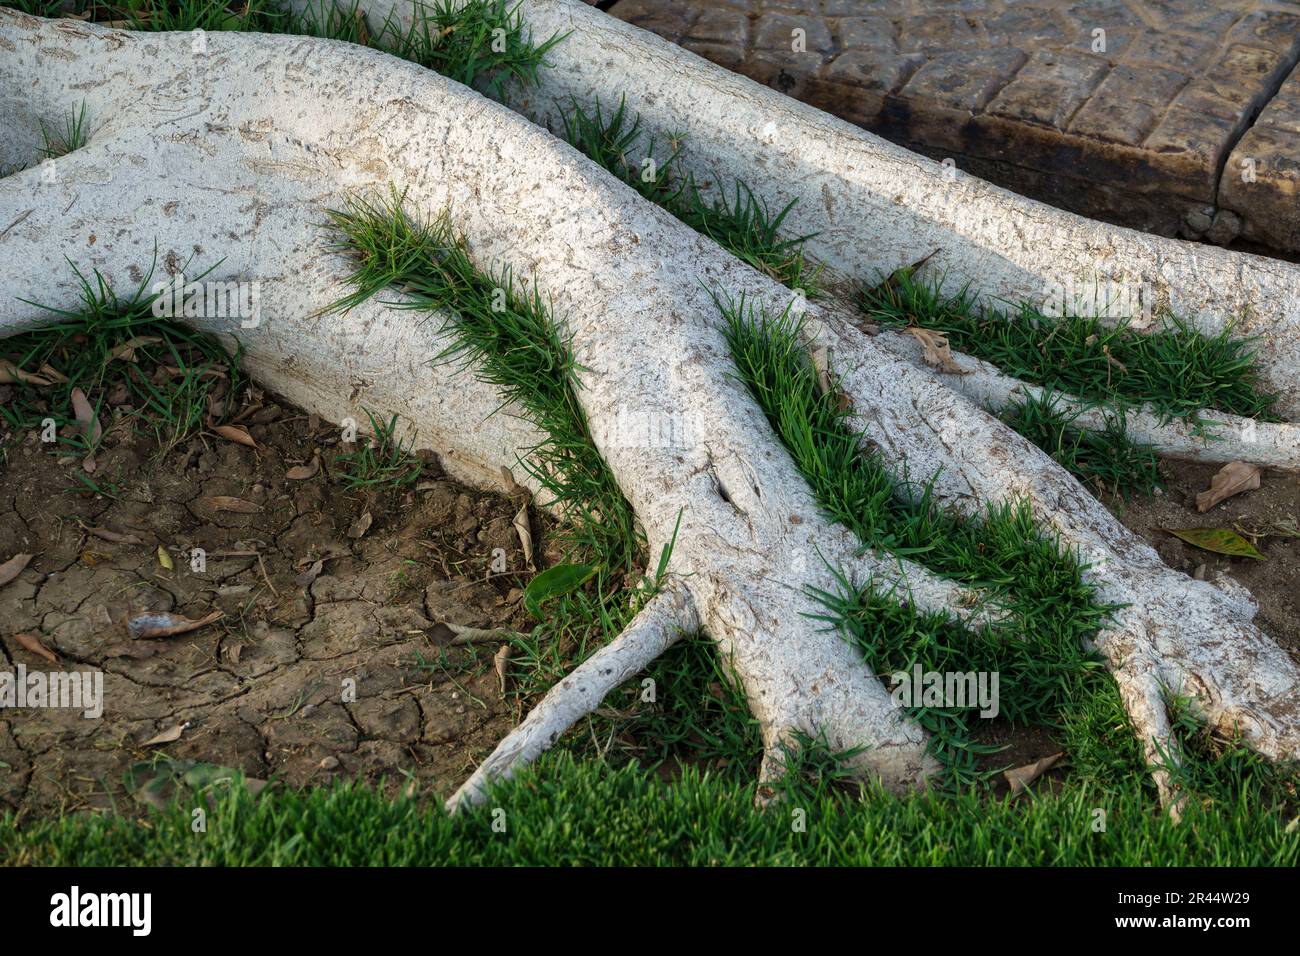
[(13, 567), (168, 736), (106, 534), (237, 505), (303, 472), (525, 534), (935, 351), (1021, 777), (501, 663), (361, 525), (164, 624), (11, 374), (305, 579), (33, 644), (126, 351), (236, 434), (1232, 479), (164, 558), (86, 417)]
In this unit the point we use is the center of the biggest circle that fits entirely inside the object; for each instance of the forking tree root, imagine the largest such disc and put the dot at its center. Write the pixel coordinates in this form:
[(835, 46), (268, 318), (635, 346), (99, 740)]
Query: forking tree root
[(239, 154)]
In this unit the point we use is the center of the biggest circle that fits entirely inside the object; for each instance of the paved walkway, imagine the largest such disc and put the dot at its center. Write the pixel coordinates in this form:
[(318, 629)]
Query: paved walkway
[(1144, 112)]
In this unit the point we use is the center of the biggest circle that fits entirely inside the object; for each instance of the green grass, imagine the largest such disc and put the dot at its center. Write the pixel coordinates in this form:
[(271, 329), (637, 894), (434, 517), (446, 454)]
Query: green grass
[(481, 43), (62, 138), (383, 462), (1108, 460), (508, 339), (1177, 370), (169, 374), (1050, 612), (566, 812), (739, 221)]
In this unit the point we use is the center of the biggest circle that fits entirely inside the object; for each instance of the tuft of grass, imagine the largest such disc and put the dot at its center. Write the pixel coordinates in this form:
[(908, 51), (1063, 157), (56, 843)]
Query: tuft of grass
[(510, 340), (67, 136), (1109, 460), (382, 462), (1178, 370), (172, 376), (741, 222)]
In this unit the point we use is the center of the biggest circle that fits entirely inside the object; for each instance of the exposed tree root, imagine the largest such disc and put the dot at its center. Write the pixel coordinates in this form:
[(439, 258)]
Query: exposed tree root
[(239, 153), (665, 618)]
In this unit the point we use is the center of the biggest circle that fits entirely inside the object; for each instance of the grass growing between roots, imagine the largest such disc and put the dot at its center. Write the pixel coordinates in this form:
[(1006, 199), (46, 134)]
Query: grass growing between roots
[(1050, 612), (1178, 371), (168, 378), (739, 221)]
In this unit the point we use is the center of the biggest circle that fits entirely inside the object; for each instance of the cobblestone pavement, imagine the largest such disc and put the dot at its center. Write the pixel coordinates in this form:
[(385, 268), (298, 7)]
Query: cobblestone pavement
[(1143, 112)]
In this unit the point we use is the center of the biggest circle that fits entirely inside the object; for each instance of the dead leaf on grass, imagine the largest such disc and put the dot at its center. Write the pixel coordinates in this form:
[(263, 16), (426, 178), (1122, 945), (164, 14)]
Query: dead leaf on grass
[(126, 351), (1021, 777), (1232, 479), (11, 374)]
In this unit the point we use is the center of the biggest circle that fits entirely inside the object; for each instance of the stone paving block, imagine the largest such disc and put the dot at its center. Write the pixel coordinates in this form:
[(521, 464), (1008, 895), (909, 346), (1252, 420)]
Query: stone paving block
[(1261, 179), (1118, 109)]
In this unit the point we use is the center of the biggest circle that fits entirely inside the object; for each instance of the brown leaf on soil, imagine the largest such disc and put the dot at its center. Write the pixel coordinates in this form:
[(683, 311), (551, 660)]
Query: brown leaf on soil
[(361, 525), (1021, 777), (1232, 479), (13, 567), (106, 534), (303, 472), (305, 579), (168, 736), (11, 374), (86, 417), (236, 434), (525, 534), (936, 351), (501, 663), (164, 624), (33, 644), (237, 505)]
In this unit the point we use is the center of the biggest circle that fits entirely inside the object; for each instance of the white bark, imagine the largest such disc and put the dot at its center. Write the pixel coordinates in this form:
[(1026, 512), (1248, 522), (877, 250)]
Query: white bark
[(665, 618), (236, 153)]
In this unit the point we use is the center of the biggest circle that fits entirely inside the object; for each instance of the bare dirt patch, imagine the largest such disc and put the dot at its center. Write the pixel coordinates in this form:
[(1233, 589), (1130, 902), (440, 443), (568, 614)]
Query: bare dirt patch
[(262, 689)]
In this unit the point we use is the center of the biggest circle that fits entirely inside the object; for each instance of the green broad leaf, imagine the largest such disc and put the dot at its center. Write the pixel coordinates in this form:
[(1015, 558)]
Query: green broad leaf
[(1219, 540), (554, 582)]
